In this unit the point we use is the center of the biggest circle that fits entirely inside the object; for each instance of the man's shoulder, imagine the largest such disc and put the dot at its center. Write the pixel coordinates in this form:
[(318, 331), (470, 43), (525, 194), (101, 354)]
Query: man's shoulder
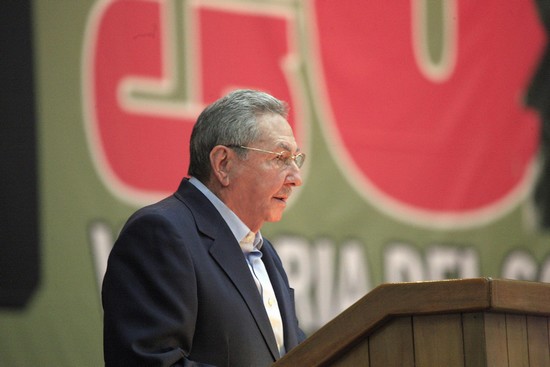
[(181, 200), (169, 209)]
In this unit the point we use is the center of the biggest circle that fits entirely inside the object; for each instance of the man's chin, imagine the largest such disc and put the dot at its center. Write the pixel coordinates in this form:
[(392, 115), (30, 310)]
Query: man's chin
[(275, 217)]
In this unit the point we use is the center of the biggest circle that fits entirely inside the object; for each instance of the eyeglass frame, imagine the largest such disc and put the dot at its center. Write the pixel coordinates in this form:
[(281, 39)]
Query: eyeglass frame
[(298, 159)]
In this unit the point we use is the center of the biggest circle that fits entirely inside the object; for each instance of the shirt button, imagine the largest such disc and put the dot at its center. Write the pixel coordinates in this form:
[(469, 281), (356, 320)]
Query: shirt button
[(270, 301)]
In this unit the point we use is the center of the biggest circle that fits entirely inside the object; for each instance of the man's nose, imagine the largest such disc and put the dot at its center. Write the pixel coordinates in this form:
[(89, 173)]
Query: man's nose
[(294, 177)]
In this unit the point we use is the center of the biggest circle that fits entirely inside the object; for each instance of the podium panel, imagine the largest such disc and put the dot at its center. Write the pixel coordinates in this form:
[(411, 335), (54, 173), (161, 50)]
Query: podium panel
[(479, 322)]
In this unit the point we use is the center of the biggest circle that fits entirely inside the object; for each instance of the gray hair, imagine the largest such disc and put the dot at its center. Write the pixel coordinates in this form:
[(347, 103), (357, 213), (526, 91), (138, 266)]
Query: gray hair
[(230, 121)]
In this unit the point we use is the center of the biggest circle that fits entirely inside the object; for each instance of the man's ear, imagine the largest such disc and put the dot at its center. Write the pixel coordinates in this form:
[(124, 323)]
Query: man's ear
[(221, 158)]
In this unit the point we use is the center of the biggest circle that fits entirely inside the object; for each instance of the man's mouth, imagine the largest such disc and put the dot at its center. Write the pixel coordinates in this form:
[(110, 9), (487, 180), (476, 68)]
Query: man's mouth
[(281, 198)]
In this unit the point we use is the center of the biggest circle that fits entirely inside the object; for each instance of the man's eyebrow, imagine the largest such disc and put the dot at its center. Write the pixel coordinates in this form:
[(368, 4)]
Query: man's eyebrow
[(285, 146)]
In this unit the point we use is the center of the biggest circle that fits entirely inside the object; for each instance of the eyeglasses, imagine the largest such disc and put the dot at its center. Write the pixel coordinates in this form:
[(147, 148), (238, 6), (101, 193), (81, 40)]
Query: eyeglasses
[(283, 159)]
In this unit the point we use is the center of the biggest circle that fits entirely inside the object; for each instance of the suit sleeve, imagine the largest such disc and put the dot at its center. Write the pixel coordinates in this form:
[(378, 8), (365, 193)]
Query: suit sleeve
[(149, 296)]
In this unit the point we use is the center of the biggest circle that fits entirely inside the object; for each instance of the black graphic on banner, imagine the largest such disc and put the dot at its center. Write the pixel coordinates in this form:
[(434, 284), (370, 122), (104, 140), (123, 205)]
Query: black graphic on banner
[(19, 233)]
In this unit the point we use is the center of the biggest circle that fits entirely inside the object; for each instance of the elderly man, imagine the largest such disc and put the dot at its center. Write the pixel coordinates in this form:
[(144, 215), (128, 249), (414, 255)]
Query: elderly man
[(190, 280)]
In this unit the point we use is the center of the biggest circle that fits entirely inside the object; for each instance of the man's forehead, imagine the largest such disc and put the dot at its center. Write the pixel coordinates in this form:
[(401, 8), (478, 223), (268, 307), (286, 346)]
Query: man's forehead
[(276, 130)]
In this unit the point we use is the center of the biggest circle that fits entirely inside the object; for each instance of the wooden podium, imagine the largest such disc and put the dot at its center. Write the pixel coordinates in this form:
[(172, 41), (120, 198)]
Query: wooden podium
[(467, 323)]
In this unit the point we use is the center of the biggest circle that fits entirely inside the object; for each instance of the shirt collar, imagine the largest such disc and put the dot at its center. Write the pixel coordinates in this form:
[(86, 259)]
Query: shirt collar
[(236, 225)]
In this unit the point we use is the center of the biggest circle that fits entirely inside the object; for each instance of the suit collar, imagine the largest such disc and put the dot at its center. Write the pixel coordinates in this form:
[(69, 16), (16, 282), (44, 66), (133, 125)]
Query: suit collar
[(207, 218)]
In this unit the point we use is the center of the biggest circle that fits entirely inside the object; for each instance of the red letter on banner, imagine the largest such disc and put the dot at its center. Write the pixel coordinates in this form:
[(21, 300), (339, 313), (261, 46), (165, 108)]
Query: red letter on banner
[(454, 145)]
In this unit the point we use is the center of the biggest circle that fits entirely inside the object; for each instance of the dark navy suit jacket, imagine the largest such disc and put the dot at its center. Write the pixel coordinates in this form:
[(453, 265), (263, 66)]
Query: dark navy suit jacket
[(178, 291)]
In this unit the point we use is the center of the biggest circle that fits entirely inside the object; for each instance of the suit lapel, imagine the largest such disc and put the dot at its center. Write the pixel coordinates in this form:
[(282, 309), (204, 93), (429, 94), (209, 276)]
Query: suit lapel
[(236, 268), (225, 250)]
